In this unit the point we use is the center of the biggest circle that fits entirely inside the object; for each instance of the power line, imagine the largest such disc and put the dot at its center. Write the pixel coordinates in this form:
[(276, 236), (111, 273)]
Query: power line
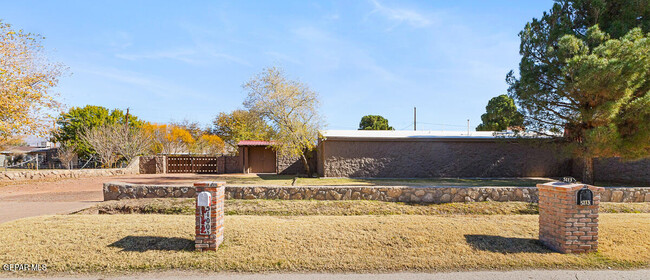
[(443, 124), (409, 125)]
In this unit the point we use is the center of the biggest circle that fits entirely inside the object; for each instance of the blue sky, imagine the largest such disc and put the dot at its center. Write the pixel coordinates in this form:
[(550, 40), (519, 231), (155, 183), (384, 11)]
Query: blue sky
[(174, 60)]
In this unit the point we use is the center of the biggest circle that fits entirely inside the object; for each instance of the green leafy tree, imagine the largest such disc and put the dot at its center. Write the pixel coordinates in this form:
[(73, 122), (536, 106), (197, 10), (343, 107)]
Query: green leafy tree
[(291, 108), (71, 125), (374, 122), (241, 125), (501, 113), (606, 104), (539, 89), (546, 92)]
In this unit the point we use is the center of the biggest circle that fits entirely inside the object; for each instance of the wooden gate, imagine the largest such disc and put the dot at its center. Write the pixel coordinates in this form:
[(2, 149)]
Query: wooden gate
[(191, 164), (261, 160)]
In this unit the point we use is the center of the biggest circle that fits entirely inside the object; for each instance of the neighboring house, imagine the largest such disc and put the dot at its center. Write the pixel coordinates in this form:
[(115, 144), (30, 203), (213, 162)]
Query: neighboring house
[(36, 147), (16, 154), (38, 142)]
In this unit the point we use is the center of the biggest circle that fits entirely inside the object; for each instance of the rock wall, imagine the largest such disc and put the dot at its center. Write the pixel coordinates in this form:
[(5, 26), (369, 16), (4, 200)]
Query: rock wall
[(118, 191), (425, 195), (448, 158), (132, 168), (294, 165)]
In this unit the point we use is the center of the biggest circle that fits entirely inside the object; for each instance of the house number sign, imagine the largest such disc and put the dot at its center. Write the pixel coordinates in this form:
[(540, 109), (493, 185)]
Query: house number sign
[(203, 202), (585, 197)]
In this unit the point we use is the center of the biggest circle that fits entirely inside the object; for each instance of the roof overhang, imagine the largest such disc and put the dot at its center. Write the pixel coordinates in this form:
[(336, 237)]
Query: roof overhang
[(259, 143), (447, 136)]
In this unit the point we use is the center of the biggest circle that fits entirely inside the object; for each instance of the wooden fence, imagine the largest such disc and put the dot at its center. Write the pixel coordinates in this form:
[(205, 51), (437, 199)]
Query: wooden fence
[(192, 164)]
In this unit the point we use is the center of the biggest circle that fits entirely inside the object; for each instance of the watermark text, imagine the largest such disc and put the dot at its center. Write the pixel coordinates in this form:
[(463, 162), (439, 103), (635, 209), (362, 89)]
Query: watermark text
[(24, 267)]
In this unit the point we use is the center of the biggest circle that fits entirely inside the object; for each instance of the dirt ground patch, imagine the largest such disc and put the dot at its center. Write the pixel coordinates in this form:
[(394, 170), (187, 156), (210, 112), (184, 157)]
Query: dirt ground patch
[(185, 206), (109, 243), (26, 198)]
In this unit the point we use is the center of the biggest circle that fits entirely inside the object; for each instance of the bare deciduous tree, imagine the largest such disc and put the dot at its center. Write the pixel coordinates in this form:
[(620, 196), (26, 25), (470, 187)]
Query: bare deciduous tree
[(102, 140), (131, 142), (110, 141), (66, 153)]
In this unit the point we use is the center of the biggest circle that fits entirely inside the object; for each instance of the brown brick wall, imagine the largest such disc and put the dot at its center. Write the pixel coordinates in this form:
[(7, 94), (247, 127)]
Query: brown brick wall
[(616, 170), (565, 226), (153, 165), (212, 241), (448, 158)]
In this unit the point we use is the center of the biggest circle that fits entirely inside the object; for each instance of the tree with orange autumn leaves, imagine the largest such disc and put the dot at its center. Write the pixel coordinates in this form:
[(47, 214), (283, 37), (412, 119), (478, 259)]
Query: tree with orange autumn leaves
[(174, 139), (27, 104)]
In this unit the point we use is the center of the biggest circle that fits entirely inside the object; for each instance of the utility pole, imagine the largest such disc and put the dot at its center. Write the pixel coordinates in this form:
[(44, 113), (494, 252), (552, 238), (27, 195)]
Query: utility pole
[(127, 116), (467, 127), (415, 118)]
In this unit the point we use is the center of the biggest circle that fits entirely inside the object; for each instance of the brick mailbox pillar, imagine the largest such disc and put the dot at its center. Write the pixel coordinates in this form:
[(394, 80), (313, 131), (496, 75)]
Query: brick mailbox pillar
[(209, 215), (568, 217)]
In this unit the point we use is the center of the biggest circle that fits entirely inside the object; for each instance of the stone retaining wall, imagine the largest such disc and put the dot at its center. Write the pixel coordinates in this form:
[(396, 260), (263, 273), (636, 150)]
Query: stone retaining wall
[(425, 195), (132, 168)]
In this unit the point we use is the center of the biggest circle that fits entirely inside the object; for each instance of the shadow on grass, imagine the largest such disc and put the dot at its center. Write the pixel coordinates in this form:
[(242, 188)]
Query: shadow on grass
[(146, 243), (500, 244), (531, 209)]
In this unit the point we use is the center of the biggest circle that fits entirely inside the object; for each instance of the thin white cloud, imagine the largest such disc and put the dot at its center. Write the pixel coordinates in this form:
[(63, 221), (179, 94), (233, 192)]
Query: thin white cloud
[(159, 87), (282, 57), (220, 55), (199, 54), (334, 16), (183, 55), (118, 40), (329, 52), (401, 15)]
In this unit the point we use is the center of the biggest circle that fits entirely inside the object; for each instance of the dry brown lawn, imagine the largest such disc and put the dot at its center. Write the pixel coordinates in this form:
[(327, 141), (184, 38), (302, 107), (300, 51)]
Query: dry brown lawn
[(522, 182), (185, 206), (285, 180), (112, 243)]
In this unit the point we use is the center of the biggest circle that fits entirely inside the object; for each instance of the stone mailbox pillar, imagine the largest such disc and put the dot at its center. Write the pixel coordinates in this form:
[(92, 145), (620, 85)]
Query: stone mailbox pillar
[(568, 217), (209, 215)]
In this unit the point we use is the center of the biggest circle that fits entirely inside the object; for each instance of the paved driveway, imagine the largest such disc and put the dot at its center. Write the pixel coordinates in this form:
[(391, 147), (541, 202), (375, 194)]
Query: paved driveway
[(47, 197)]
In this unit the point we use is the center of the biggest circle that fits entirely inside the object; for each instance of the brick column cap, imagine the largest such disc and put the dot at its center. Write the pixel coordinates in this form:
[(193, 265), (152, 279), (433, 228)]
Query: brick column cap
[(210, 184), (561, 186)]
